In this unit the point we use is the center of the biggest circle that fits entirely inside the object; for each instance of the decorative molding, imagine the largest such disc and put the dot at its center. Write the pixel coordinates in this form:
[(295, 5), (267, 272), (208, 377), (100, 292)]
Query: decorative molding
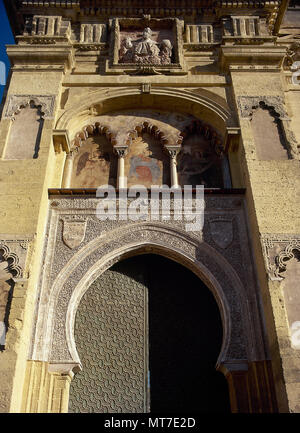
[(285, 255), (16, 102), (90, 130)]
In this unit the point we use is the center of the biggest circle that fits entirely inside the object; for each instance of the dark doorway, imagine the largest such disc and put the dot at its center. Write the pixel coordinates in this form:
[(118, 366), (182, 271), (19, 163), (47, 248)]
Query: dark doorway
[(183, 335), (185, 338)]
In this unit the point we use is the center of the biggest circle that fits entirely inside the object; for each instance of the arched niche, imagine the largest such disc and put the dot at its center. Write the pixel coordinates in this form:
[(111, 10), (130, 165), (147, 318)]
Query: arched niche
[(270, 146), (146, 162), (202, 104), (91, 162), (94, 164), (25, 132), (201, 160)]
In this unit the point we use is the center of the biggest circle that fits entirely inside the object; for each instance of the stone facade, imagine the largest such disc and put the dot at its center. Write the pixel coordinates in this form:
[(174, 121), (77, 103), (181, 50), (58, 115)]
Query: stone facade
[(104, 91)]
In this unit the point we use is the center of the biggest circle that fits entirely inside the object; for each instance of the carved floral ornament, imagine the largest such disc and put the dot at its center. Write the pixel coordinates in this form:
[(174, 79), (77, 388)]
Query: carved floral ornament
[(16, 102)]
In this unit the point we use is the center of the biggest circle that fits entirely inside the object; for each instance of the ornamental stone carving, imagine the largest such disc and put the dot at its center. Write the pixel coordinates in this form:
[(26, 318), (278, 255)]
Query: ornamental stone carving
[(146, 46), (278, 250), (69, 273), (249, 103), (145, 50), (15, 252), (73, 232), (16, 102)]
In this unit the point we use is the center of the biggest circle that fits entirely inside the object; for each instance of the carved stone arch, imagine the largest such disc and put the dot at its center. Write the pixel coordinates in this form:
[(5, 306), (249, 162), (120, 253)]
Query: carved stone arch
[(101, 253), (205, 105), (284, 256), (45, 104), (76, 151), (27, 114), (12, 260), (208, 132), (89, 130), (150, 128)]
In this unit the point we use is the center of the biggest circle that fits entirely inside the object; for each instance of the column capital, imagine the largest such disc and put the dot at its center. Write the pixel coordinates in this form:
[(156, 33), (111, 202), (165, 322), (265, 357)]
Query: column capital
[(120, 151), (172, 151)]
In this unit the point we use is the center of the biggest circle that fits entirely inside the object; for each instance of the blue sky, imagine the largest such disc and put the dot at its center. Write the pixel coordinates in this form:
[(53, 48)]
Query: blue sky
[(6, 37)]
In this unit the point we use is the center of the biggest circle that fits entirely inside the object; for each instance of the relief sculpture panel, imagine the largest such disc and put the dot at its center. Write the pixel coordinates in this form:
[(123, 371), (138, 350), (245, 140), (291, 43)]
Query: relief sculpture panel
[(147, 48)]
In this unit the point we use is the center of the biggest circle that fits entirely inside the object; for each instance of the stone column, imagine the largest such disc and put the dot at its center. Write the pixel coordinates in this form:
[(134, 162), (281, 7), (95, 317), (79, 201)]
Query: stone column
[(66, 181), (173, 152), (121, 152)]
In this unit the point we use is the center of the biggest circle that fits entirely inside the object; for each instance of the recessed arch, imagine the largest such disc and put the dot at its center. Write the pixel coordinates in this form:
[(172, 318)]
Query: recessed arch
[(62, 297), (148, 248), (203, 104)]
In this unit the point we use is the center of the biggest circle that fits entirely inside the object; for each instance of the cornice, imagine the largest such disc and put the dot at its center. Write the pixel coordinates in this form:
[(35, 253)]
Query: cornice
[(193, 10)]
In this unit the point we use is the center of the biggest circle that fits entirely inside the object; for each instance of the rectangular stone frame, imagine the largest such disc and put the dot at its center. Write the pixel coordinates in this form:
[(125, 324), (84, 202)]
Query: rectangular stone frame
[(113, 66)]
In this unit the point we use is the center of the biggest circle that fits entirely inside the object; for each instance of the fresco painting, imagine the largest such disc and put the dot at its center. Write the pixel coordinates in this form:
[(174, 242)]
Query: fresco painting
[(94, 165), (146, 164), (198, 164)]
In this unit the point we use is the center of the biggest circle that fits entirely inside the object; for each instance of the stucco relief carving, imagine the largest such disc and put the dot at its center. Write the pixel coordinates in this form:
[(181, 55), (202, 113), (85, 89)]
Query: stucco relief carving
[(73, 231), (12, 268), (249, 103), (141, 46), (16, 102), (278, 250), (282, 256), (69, 273), (145, 50)]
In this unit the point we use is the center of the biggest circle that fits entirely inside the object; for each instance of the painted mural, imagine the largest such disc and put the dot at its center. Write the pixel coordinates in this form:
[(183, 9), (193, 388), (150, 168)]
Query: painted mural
[(94, 165), (146, 164), (198, 164)]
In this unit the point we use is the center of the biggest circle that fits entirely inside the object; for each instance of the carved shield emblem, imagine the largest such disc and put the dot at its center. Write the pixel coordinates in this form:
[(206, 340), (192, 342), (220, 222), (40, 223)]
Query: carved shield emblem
[(73, 233), (221, 232)]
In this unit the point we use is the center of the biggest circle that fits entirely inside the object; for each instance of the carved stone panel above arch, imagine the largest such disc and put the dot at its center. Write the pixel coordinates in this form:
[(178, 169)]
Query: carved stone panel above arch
[(146, 46)]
